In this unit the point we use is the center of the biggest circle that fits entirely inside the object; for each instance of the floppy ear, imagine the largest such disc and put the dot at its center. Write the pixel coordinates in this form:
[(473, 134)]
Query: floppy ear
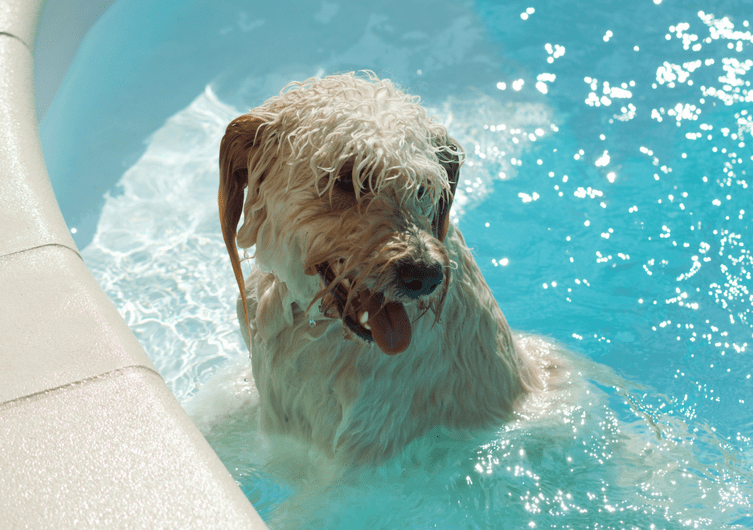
[(450, 161), (240, 137)]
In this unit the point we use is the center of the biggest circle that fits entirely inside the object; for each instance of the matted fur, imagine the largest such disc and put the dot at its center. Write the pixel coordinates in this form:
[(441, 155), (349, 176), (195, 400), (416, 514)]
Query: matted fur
[(297, 154)]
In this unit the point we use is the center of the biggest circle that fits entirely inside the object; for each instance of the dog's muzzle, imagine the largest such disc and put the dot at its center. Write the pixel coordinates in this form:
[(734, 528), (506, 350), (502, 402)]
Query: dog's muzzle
[(373, 320)]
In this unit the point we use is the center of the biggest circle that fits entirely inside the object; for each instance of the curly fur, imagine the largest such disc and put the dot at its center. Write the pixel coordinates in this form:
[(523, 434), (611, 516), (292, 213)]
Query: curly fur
[(299, 155)]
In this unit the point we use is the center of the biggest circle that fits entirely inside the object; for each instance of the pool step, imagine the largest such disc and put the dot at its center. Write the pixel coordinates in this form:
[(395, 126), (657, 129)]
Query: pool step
[(90, 435)]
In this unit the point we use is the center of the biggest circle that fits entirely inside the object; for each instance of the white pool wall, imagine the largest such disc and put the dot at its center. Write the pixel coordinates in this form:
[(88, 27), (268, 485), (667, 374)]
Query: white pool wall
[(90, 435)]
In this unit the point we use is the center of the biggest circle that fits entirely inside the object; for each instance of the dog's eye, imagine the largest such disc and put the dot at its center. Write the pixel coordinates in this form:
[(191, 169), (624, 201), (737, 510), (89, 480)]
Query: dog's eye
[(420, 193), (345, 183)]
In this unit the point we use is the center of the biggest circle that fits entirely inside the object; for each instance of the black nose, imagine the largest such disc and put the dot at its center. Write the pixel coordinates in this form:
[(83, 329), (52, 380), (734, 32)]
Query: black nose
[(416, 280)]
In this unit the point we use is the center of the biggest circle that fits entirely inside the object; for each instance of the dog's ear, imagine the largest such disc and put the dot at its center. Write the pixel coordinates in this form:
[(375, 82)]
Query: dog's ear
[(240, 137), (449, 158)]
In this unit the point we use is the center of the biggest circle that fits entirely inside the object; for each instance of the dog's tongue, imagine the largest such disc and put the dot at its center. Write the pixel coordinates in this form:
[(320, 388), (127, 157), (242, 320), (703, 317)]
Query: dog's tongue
[(390, 327)]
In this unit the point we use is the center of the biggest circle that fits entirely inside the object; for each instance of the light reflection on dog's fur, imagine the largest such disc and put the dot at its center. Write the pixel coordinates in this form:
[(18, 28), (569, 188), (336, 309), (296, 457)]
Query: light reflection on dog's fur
[(367, 319)]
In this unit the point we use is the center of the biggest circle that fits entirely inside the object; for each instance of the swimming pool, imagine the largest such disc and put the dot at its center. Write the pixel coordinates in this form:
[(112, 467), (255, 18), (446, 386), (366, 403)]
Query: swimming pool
[(606, 196)]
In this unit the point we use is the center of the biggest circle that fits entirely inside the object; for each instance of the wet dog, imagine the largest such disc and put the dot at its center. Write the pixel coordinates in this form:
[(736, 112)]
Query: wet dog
[(367, 318)]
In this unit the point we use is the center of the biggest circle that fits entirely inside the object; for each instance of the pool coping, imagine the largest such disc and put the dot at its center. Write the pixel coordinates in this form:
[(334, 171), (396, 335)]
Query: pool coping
[(90, 435)]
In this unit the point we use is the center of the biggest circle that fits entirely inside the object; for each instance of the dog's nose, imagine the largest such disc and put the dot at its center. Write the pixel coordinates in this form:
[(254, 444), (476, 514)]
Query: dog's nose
[(416, 280)]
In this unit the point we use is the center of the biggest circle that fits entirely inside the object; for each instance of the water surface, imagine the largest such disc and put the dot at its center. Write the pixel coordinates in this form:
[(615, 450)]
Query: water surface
[(606, 197)]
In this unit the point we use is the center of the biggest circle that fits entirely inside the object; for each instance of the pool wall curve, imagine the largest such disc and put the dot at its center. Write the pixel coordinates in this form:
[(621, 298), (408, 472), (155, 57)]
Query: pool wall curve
[(90, 435)]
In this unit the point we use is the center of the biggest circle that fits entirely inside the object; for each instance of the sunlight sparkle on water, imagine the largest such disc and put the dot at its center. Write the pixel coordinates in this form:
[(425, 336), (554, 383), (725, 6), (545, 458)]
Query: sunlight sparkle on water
[(605, 194)]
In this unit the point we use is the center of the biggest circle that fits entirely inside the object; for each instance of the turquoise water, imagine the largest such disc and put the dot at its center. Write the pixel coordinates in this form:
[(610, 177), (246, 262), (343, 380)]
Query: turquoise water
[(608, 202)]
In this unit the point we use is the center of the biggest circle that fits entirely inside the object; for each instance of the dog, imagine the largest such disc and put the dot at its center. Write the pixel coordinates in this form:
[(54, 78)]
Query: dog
[(367, 319)]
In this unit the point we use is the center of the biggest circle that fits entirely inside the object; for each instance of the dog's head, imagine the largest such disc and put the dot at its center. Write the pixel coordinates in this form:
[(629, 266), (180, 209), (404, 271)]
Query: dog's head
[(350, 186)]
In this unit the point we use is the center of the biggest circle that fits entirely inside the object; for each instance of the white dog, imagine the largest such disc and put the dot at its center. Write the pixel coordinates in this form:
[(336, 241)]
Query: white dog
[(367, 319)]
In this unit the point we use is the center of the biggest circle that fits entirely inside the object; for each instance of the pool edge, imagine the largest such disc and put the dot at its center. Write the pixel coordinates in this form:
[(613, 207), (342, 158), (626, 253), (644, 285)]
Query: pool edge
[(126, 452)]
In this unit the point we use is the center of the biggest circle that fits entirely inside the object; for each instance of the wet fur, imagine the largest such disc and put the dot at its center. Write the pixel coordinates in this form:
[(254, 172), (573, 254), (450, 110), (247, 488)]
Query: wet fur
[(316, 380)]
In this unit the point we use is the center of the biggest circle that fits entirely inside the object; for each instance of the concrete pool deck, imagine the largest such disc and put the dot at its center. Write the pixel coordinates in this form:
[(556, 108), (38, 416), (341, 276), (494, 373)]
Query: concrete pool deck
[(90, 435)]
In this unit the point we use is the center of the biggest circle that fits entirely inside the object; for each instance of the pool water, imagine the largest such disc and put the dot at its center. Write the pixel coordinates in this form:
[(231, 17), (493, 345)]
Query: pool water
[(607, 198)]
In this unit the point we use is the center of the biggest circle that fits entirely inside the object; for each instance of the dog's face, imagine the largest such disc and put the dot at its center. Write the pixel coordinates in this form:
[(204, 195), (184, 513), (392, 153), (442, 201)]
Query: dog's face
[(349, 192)]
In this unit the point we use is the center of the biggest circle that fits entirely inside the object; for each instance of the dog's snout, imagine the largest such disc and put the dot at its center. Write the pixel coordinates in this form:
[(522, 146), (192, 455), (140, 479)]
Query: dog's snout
[(417, 280)]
